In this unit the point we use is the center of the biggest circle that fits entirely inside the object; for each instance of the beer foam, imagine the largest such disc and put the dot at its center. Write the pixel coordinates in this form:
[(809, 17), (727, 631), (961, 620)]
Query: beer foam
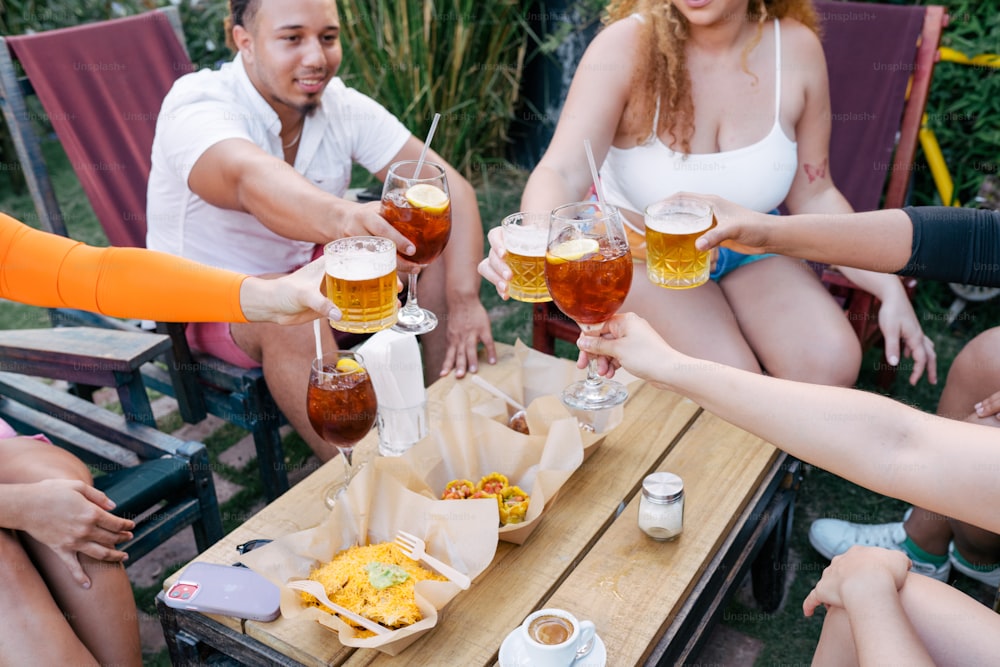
[(678, 222), (360, 267), (526, 241)]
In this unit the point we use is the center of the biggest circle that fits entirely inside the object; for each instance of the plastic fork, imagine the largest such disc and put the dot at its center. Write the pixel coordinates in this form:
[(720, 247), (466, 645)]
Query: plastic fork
[(315, 589), (416, 548)]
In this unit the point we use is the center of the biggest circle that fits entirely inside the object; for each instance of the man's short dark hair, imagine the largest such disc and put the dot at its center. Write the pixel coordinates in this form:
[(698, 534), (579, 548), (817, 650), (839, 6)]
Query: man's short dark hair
[(242, 12)]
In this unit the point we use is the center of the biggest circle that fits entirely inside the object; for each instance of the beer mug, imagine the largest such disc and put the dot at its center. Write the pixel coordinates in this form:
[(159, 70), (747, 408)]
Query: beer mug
[(361, 282), (525, 235), (671, 229)]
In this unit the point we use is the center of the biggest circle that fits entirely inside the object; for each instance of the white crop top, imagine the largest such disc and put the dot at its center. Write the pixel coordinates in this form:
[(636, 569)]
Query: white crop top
[(757, 176)]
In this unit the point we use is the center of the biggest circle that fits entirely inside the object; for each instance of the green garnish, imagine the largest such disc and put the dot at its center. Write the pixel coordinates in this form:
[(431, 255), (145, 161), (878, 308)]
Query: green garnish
[(383, 575)]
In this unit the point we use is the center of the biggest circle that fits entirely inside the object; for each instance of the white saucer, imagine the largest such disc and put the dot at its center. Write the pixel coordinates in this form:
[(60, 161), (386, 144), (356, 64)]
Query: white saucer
[(512, 653)]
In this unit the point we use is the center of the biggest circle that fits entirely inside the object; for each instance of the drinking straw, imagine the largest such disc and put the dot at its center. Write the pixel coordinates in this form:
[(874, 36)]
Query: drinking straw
[(593, 174), (427, 142), (319, 344)]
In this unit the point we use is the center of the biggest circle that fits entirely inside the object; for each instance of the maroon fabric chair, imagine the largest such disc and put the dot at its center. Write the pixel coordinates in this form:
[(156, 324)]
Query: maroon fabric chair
[(103, 107), (880, 60), (102, 85)]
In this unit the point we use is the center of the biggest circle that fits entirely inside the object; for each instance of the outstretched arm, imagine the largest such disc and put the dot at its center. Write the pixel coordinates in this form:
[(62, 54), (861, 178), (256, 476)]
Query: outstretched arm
[(868, 439)]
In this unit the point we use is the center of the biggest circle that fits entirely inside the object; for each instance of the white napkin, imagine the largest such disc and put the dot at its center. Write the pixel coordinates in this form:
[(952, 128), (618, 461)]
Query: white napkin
[(394, 363)]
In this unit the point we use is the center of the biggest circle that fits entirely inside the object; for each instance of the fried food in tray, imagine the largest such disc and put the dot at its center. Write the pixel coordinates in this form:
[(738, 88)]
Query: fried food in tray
[(512, 501), (375, 581)]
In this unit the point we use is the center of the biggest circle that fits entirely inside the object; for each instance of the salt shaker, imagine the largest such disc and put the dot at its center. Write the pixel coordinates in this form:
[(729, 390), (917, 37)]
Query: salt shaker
[(661, 507)]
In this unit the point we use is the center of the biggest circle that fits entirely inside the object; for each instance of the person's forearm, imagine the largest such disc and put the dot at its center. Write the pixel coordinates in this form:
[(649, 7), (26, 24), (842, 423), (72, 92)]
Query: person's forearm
[(288, 204), (548, 188), (868, 439), (876, 241), (465, 245), (884, 286), (882, 632)]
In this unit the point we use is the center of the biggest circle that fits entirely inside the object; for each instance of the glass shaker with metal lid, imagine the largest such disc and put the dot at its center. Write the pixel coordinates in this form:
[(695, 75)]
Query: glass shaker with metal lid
[(661, 507)]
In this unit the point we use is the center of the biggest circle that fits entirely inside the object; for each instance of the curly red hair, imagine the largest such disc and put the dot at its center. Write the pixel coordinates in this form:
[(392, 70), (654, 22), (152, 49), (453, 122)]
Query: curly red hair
[(661, 73)]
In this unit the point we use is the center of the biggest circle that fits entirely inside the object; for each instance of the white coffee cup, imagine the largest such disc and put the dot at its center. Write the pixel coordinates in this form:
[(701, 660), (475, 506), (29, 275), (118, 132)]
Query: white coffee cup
[(552, 637)]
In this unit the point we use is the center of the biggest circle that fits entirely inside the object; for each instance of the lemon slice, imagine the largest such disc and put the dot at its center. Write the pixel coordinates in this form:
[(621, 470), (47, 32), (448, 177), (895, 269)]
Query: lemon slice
[(347, 366), (571, 251), (427, 197)]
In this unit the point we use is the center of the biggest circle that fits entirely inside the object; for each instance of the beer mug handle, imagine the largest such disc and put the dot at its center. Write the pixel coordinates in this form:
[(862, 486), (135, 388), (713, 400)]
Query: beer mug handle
[(585, 642)]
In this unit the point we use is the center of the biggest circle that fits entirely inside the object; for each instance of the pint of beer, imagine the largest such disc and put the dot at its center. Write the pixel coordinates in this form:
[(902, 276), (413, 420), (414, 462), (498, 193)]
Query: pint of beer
[(361, 282), (671, 229), (525, 235)]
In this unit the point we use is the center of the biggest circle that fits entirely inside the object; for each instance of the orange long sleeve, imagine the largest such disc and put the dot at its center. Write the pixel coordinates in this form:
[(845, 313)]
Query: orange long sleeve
[(42, 269)]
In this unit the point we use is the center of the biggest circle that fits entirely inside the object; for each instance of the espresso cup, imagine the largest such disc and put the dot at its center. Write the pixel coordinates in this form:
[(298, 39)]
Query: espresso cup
[(552, 637)]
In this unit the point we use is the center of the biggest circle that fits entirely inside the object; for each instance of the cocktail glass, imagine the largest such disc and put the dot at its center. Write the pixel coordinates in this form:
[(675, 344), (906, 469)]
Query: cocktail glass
[(418, 205), (342, 406), (588, 270)]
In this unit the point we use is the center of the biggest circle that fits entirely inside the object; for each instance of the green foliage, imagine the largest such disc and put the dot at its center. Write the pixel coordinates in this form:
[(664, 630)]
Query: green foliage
[(460, 58)]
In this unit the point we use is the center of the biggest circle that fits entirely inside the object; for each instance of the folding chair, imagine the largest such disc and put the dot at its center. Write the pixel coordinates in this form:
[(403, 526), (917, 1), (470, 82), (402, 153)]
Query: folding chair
[(880, 59), (102, 85), (163, 483)]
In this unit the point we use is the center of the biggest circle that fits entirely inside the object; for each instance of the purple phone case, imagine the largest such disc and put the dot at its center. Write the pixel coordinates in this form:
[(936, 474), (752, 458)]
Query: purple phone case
[(225, 589)]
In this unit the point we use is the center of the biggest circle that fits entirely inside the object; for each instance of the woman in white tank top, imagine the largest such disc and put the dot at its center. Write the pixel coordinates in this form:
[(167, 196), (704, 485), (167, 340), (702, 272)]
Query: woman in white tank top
[(670, 88)]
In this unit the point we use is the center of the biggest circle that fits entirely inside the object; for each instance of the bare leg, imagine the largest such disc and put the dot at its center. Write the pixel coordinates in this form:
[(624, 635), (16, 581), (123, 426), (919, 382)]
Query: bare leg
[(697, 321), (789, 319), (434, 345), (58, 621), (836, 642), (285, 352), (974, 375), (955, 628)]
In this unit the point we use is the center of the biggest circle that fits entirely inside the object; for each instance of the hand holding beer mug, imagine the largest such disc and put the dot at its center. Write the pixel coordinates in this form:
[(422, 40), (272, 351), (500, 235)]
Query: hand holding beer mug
[(418, 206), (524, 236), (672, 225), (588, 270), (361, 282)]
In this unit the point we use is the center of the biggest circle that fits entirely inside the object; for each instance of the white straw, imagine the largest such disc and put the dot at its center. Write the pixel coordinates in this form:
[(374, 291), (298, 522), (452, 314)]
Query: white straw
[(593, 174), (427, 142), (496, 391), (319, 343)]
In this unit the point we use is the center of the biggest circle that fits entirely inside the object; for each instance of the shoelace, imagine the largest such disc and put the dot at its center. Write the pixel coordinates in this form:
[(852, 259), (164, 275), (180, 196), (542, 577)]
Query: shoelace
[(878, 535)]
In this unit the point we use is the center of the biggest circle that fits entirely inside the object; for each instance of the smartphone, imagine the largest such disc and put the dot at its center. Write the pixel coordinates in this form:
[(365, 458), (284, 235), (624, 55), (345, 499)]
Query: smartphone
[(225, 589)]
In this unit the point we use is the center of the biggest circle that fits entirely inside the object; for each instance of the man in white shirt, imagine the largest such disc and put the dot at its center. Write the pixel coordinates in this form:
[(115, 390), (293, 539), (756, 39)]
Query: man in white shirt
[(249, 168)]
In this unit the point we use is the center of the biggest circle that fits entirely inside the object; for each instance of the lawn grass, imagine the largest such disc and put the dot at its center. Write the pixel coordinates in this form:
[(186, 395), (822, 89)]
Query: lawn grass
[(787, 637)]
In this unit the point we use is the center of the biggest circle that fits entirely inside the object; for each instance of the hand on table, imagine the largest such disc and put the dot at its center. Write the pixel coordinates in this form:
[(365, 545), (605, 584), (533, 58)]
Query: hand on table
[(468, 325), (71, 518)]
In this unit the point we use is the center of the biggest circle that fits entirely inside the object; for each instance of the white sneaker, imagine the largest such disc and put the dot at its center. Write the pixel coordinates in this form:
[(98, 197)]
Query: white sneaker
[(832, 537), (991, 577)]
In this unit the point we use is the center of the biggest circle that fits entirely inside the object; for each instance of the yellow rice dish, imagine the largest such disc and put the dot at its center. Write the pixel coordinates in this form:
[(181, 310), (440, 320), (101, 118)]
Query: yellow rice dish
[(348, 582)]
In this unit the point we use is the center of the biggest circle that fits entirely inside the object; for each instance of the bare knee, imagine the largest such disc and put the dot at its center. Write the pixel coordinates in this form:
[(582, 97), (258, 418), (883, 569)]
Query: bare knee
[(832, 360), (26, 460)]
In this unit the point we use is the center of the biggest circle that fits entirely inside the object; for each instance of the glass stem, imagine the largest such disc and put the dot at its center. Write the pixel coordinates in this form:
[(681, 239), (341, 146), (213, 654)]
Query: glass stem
[(412, 309), (347, 465)]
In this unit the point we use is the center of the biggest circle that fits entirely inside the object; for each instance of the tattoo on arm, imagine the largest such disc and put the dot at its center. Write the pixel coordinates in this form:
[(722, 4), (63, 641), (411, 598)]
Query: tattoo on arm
[(815, 172)]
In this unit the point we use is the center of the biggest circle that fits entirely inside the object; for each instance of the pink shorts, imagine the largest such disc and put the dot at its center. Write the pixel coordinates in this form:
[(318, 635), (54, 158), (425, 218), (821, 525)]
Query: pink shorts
[(7, 431), (216, 339)]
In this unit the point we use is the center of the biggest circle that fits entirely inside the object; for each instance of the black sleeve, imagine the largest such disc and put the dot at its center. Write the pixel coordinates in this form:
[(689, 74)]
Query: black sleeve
[(956, 245)]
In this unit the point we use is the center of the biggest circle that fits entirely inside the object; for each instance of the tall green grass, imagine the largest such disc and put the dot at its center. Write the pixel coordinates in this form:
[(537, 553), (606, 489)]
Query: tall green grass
[(460, 58)]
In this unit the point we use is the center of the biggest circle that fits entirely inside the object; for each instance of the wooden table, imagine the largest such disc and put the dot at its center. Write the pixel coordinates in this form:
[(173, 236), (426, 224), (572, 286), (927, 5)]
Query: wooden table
[(652, 602)]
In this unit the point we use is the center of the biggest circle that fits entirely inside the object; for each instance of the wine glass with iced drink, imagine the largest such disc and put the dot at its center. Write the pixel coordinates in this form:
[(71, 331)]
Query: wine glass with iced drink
[(415, 201), (588, 271), (341, 405)]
